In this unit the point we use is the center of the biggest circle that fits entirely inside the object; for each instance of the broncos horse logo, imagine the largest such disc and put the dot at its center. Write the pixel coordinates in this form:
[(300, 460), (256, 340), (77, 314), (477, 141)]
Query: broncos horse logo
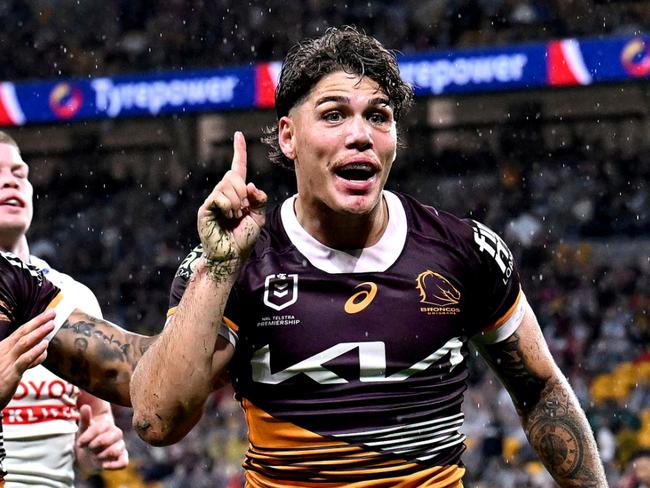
[(436, 290)]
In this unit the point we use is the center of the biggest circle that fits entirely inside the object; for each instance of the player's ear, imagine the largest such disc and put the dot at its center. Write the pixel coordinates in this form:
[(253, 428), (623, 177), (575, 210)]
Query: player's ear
[(286, 137)]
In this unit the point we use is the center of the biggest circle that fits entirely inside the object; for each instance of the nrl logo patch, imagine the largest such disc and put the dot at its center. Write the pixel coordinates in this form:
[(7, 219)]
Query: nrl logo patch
[(280, 290)]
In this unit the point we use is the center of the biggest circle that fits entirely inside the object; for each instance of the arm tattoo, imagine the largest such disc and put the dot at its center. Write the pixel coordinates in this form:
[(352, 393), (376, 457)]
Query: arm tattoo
[(556, 434), (97, 356), (507, 359), (551, 416)]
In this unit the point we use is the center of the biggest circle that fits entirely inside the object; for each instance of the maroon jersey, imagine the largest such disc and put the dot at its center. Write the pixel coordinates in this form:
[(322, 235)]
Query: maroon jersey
[(351, 366), (24, 293)]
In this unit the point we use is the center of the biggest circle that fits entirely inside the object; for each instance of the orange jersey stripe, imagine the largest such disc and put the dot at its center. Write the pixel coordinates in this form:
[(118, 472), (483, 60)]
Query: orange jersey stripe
[(436, 477), (266, 431), (231, 325), (506, 316), (56, 301), (280, 452)]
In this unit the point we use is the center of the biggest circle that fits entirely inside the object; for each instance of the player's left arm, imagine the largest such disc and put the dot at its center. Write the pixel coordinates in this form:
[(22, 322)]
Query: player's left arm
[(554, 422), (96, 355), (100, 443)]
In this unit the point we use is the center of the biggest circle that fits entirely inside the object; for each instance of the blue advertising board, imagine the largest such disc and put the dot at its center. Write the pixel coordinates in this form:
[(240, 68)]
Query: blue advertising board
[(129, 96), (566, 62)]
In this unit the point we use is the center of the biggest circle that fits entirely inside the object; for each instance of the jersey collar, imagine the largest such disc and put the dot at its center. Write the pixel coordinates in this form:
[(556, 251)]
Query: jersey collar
[(373, 259)]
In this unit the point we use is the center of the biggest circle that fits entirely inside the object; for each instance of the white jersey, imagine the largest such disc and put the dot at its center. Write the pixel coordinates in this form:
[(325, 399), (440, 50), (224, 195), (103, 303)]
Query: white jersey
[(40, 422)]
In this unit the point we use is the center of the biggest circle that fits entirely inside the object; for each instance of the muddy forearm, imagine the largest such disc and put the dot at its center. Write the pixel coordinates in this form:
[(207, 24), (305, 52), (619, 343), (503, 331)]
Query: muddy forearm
[(177, 374)]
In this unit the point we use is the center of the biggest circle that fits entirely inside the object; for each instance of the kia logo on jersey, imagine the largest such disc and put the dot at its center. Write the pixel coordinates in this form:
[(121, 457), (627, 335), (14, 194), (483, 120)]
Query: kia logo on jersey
[(280, 290)]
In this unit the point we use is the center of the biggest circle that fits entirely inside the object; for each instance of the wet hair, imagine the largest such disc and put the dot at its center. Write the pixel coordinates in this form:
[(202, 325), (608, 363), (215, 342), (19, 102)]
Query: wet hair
[(345, 49), (7, 139)]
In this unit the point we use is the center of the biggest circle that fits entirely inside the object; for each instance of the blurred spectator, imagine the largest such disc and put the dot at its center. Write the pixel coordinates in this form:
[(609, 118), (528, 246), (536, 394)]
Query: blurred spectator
[(639, 475)]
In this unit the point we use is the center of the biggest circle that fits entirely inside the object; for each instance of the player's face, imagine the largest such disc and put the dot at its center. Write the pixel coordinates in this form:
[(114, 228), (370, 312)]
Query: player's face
[(15, 191), (342, 139)]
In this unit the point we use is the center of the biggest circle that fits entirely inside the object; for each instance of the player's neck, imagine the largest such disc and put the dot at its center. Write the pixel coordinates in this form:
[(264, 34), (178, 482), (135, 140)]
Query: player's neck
[(344, 231), (16, 245)]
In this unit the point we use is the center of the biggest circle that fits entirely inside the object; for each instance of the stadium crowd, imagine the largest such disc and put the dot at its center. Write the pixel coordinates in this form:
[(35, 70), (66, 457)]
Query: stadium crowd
[(565, 214), (47, 39)]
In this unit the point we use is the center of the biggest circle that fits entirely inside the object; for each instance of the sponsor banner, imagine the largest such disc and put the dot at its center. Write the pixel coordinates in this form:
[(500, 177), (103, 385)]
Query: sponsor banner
[(266, 79), (567, 62), (127, 96), (11, 112), (507, 68), (617, 59), (38, 413)]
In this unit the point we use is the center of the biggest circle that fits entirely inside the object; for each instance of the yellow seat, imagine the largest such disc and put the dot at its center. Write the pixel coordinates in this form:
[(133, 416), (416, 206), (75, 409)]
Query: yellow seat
[(125, 478), (511, 447)]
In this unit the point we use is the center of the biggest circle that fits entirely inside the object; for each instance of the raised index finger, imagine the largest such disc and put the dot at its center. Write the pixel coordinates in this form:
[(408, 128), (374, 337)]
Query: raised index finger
[(239, 156)]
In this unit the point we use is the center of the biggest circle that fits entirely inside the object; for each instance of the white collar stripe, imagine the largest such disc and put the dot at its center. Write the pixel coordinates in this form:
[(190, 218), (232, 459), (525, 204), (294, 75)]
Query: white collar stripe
[(373, 259)]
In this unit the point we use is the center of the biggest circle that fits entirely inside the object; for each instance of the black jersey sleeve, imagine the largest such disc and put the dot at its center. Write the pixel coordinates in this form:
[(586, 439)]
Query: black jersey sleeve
[(181, 278), (24, 293), (497, 291)]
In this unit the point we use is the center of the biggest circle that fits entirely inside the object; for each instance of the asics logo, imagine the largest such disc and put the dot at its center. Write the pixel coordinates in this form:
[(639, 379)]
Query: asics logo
[(361, 299)]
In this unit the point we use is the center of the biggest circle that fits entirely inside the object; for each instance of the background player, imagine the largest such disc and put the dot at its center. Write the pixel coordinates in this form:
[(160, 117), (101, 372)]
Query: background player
[(333, 395), (41, 435)]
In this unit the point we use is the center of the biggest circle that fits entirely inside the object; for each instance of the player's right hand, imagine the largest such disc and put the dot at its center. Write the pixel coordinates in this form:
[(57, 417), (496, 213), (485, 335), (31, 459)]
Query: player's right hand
[(231, 218), (25, 348)]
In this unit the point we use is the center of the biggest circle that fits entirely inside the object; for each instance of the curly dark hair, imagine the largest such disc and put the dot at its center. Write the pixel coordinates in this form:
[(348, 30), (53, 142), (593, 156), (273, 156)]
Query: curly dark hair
[(345, 49)]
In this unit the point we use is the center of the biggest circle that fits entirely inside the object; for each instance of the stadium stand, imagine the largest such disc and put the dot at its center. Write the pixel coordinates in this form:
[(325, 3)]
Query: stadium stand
[(70, 38)]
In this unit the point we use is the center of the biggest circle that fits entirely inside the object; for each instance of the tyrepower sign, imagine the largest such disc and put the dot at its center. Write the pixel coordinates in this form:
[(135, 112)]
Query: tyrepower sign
[(127, 96), (566, 62), (475, 71)]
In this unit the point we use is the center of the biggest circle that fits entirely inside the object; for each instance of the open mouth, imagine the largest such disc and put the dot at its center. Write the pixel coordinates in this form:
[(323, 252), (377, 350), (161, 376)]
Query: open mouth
[(12, 202), (356, 172)]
